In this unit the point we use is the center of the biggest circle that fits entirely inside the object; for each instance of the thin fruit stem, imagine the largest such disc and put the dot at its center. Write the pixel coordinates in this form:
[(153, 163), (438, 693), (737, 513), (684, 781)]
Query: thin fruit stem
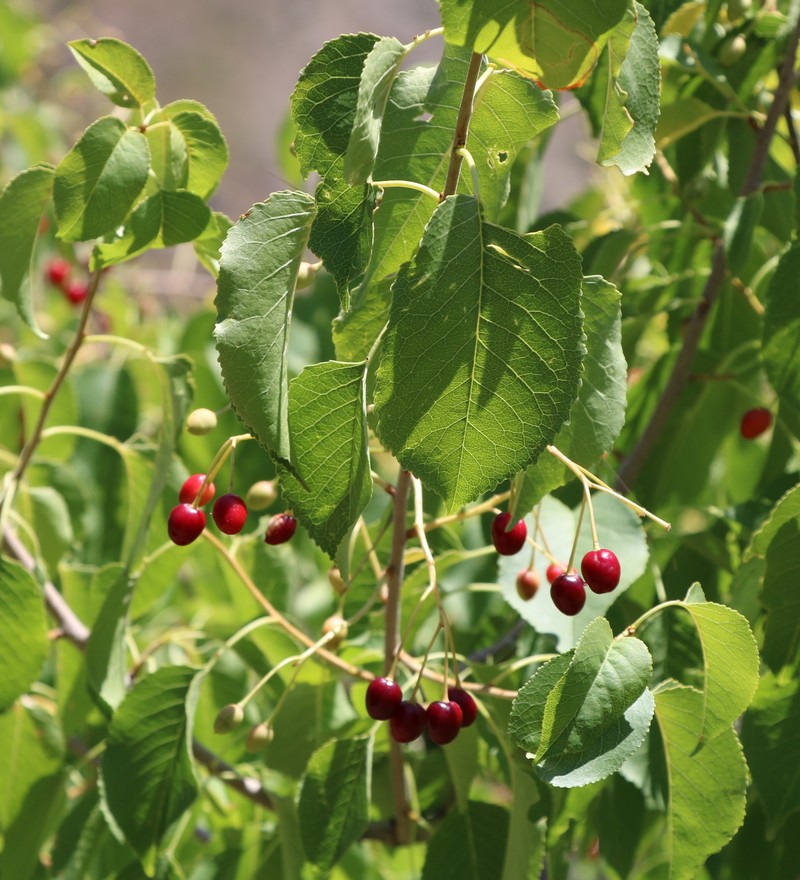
[(650, 613), (487, 690), (473, 169), (424, 663), (421, 38), (23, 390), (232, 465), (489, 504), (522, 663), (577, 535), (588, 496), (298, 664), (216, 463), (407, 184)]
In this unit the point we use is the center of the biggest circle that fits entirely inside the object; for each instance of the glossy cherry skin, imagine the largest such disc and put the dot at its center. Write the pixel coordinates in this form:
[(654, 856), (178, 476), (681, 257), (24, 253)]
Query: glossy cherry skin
[(57, 271), (553, 571), (383, 698), (600, 570), (568, 593), (469, 709), (408, 722), (444, 721), (280, 528), (528, 581), (191, 487), (754, 422), (185, 524), (230, 514), (76, 292), (508, 543)]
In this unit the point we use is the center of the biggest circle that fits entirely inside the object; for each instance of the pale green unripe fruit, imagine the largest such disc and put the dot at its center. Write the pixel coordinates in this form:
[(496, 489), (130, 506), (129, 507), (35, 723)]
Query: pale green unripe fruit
[(337, 581), (259, 737), (306, 274), (261, 495), (8, 355), (228, 718), (201, 421), (337, 625), (732, 50)]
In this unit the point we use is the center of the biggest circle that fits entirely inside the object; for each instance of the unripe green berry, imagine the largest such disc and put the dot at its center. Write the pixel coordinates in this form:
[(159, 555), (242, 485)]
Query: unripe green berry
[(228, 718), (261, 495), (259, 737), (306, 274), (335, 624), (731, 50), (337, 581), (7, 355), (201, 421)]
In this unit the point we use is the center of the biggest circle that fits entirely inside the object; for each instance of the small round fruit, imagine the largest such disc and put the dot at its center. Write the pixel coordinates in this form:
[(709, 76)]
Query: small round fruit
[(383, 698), (444, 721), (191, 487), (76, 292), (468, 706), (228, 718), (600, 570), (731, 50), (259, 737), (408, 722), (201, 421), (568, 593), (230, 513), (57, 271), (553, 571), (754, 422), (508, 543), (261, 495), (336, 580), (185, 524), (528, 581), (338, 626), (280, 528)]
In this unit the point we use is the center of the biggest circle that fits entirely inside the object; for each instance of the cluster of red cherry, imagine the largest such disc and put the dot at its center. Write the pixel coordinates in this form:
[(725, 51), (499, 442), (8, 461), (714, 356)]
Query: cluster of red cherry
[(408, 720), (187, 521), (58, 272)]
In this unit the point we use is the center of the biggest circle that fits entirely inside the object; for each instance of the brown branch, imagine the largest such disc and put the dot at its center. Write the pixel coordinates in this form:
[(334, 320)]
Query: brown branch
[(632, 465), (462, 126)]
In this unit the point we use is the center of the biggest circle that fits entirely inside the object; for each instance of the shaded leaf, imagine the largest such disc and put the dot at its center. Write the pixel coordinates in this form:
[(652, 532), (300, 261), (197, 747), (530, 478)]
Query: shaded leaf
[(787, 508), (781, 597), (468, 845), (117, 70), (781, 336), (740, 227), (681, 117)]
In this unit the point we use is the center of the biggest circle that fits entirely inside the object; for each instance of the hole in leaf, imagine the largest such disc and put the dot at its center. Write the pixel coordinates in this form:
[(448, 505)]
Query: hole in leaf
[(502, 157), (423, 117)]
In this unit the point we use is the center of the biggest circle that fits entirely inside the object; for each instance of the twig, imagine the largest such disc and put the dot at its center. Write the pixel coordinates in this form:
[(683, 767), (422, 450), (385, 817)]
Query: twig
[(462, 125)]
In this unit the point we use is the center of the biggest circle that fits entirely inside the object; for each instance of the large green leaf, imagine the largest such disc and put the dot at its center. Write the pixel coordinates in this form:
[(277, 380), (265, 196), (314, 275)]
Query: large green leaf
[(481, 358), (781, 597), (525, 847), (706, 784), (781, 339), (98, 181), (581, 716), (554, 41), (787, 508), (334, 799), (468, 845), (23, 631), (22, 204), (117, 70), (328, 429), (147, 775), (258, 271)]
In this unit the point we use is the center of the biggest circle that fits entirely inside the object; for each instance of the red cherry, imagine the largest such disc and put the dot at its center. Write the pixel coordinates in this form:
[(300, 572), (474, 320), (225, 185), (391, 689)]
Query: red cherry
[(754, 422), (230, 513), (76, 292), (280, 528), (528, 581), (383, 698), (408, 722), (554, 570), (444, 721), (185, 524), (469, 709), (508, 543), (600, 569), (191, 487), (57, 271), (568, 593)]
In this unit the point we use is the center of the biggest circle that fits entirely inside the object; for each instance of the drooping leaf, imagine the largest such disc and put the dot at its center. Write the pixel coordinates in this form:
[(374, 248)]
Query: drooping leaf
[(98, 181), (468, 845), (334, 799), (480, 361), (781, 598), (707, 782), (787, 508), (22, 204), (328, 430), (209, 243), (740, 227), (258, 270), (117, 70), (147, 776), (781, 338), (23, 631), (555, 42)]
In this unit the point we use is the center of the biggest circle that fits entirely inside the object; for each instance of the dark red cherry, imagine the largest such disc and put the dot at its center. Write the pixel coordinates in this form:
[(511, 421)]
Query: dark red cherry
[(230, 513), (383, 698), (568, 593), (444, 721), (280, 528), (754, 422), (528, 581), (57, 271), (554, 570), (508, 543), (469, 709), (600, 570), (185, 524), (191, 487), (76, 292), (408, 722)]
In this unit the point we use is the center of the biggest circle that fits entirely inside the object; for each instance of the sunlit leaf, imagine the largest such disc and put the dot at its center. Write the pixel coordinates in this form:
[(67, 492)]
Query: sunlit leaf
[(117, 70)]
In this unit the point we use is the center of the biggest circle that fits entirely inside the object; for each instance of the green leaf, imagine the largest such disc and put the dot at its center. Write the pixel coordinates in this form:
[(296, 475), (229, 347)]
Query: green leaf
[(730, 659), (553, 41), (334, 799), (463, 763), (769, 737), (23, 631), (780, 597), (474, 380), (377, 76), (781, 336), (22, 203), (328, 429), (258, 270), (147, 776), (106, 652), (98, 181), (468, 845), (355, 331), (209, 243), (525, 847), (597, 416), (583, 716), (117, 70), (787, 508), (681, 117), (706, 785), (740, 227)]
